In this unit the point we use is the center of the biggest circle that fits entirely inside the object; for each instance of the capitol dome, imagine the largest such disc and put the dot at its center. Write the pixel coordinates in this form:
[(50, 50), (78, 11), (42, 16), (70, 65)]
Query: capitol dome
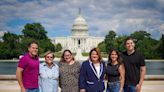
[(79, 41), (80, 26)]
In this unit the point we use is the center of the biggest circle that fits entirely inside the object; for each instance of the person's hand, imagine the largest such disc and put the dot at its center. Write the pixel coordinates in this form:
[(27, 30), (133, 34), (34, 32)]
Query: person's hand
[(138, 88), (120, 90), (82, 90), (23, 89)]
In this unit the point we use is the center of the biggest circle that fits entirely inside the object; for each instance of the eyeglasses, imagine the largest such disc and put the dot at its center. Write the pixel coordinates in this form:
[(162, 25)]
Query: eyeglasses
[(67, 55), (49, 57)]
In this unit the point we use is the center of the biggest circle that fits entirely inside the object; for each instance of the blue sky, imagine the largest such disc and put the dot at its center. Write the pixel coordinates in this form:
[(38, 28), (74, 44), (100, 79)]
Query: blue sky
[(57, 16)]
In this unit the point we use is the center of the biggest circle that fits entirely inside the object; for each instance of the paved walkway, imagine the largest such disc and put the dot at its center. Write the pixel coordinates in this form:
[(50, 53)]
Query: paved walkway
[(148, 86)]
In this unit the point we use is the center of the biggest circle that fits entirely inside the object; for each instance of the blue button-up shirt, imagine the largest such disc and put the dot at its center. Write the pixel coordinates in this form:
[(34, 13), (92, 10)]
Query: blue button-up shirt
[(48, 78)]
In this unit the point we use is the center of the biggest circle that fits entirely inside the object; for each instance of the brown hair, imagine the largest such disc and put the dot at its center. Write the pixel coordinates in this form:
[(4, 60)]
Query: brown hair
[(32, 42), (119, 59), (129, 38), (98, 53), (49, 52), (62, 57)]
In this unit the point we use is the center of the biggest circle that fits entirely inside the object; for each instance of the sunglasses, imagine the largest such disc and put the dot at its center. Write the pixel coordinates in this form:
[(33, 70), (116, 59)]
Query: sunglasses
[(49, 57)]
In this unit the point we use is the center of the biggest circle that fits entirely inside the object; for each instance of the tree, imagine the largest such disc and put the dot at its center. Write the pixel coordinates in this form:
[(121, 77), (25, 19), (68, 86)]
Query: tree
[(161, 47), (102, 46), (58, 47), (10, 47), (140, 35), (145, 44), (15, 45), (109, 40), (46, 45), (119, 43), (36, 31)]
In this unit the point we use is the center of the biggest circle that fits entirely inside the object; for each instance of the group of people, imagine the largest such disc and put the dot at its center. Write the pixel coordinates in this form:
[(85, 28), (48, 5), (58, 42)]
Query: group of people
[(124, 72)]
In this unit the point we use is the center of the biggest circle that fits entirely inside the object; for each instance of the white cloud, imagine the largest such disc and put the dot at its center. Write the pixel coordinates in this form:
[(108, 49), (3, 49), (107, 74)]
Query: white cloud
[(160, 3), (162, 28), (122, 16), (2, 32)]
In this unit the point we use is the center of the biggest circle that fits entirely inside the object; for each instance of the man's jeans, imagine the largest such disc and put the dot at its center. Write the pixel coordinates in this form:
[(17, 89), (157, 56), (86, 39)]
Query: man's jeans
[(33, 90)]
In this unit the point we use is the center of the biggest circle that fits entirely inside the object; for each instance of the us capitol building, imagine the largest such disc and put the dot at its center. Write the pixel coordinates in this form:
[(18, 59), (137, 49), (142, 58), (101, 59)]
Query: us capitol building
[(79, 38)]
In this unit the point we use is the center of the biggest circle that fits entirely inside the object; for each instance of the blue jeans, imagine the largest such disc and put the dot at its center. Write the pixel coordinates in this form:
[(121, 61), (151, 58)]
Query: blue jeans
[(129, 88), (32, 90), (113, 86)]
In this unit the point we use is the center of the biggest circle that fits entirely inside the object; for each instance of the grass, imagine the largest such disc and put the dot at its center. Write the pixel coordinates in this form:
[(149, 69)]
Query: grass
[(104, 55)]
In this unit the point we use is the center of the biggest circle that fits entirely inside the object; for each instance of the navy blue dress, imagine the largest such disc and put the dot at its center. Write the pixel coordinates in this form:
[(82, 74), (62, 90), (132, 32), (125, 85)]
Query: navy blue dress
[(89, 79)]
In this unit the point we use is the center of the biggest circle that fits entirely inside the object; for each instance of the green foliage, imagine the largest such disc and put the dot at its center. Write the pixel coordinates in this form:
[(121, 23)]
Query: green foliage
[(58, 54), (119, 43), (104, 54), (112, 42), (35, 31), (24, 42), (160, 48), (145, 44), (109, 40), (15, 45), (102, 46), (85, 54), (140, 35), (10, 47), (149, 47), (58, 47), (46, 45)]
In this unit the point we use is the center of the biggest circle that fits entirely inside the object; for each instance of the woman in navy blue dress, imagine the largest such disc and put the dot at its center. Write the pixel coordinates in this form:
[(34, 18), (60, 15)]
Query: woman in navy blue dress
[(92, 73)]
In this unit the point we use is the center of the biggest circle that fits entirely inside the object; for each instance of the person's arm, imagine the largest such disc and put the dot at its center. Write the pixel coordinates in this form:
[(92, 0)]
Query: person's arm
[(40, 79), (142, 76), (19, 78), (82, 79), (122, 76), (106, 76), (40, 84)]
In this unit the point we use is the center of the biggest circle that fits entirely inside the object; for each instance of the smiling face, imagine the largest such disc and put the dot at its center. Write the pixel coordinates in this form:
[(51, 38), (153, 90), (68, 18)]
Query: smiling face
[(114, 56), (94, 56), (33, 49), (130, 45), (49, 58), (68, 57)]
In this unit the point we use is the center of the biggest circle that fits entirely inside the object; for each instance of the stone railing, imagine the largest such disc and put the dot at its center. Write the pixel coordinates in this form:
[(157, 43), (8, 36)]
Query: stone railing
[(147, 77)]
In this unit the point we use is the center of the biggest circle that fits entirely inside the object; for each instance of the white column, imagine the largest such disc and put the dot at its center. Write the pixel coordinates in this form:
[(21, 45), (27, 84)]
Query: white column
[(82, 44), (74, 44), (85, 43)]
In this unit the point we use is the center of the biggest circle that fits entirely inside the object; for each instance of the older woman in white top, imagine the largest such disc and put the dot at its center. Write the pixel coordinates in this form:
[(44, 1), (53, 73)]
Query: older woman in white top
[(49, 74)]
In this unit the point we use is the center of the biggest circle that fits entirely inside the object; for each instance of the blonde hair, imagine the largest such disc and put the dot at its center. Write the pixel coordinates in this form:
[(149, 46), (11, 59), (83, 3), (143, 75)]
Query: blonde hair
[(49, 52)]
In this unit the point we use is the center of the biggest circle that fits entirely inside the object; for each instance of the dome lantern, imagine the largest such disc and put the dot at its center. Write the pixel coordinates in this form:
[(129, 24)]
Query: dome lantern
[(80, 25)]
